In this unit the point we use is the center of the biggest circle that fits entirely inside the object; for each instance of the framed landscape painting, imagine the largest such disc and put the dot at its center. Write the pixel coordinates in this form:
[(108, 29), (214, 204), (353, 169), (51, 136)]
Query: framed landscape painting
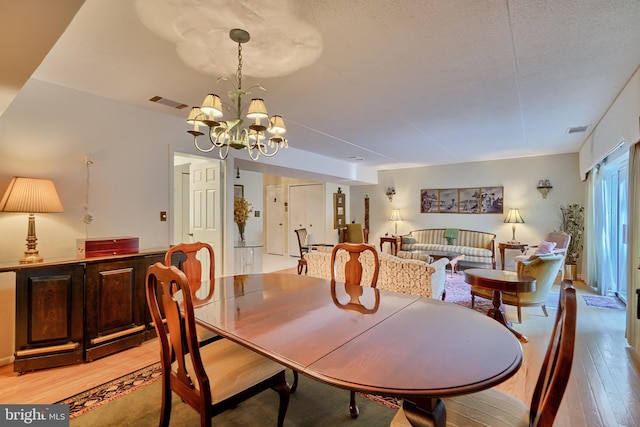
[(449, 200), (469, 200), (428, 201), (491, 200)]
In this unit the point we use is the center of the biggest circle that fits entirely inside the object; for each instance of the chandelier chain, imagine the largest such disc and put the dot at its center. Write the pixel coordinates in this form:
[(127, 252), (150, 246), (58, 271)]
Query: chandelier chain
[(239, 73)]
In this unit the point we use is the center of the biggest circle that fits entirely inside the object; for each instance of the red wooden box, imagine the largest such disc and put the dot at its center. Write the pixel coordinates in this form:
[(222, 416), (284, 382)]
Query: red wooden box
[(87, 248)]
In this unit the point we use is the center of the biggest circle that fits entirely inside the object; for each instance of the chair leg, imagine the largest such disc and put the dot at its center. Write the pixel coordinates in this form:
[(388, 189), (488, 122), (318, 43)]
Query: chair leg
[(519, 314), (544, 310), (294, 385), (473, 300), (283, 390), (165, 411), (353, 408)]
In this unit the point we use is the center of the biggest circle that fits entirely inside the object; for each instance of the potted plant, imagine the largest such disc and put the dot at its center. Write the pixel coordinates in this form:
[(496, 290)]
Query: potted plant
[(241, 210), (573, 224)]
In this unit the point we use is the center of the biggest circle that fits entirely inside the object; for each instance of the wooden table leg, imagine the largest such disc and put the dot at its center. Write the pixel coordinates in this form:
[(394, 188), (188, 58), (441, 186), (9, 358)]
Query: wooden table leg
[(497, 312), (425, 412)]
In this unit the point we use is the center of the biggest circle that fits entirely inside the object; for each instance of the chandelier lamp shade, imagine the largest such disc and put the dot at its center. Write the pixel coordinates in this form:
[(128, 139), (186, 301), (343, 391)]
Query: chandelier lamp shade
[(514, 217), (31, 195), (225, 134)]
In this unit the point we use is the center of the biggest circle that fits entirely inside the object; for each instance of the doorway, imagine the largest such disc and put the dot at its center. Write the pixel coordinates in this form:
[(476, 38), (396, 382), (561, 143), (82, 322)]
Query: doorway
[(197, 209)]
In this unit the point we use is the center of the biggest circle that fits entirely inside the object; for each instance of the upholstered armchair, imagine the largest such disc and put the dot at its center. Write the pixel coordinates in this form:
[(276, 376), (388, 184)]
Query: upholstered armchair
[(556, 243), (544, 268)]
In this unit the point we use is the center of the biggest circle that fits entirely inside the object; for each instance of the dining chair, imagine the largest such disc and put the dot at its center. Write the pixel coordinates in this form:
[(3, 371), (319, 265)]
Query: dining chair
[(353, 274), (213, 378), (301, 233), (497, 409), (353, 270), (354, 233), (191, 265)]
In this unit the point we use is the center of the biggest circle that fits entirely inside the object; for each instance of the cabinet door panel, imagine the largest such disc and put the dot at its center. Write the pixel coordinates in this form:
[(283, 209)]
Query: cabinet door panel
[(50, 308), (115, 299), (49, 316)]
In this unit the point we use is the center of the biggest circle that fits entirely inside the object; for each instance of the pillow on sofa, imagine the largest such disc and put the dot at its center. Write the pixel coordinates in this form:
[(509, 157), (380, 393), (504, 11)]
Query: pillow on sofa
[(409, 240), (545, 248)]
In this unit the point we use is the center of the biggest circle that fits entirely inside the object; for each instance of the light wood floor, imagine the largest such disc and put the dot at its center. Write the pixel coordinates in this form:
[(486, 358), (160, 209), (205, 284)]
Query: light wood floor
[(604, 388)]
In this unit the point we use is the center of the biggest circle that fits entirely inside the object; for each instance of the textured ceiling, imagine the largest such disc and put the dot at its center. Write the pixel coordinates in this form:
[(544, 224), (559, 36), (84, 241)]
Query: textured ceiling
[(396, 83)]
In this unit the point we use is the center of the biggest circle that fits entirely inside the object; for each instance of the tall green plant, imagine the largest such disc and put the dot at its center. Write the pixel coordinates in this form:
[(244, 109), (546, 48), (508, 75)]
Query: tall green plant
[(573, 224)]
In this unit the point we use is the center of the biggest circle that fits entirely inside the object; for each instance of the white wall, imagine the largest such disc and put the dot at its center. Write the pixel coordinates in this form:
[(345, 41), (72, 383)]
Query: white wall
[(129, 176), (519, 177), (620, 124)]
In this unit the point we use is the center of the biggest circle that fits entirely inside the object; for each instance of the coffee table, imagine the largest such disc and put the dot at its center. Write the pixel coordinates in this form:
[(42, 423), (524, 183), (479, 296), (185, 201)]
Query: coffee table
[(453, 258), (499, 281)]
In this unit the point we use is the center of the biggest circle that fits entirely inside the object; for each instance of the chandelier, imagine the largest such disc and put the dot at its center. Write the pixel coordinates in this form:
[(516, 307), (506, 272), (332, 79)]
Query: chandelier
[(225, 134)]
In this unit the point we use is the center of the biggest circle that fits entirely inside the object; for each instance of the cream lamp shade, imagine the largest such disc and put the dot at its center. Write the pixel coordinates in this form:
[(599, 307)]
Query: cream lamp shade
[(514, 217), (395, 217), (31, 195)]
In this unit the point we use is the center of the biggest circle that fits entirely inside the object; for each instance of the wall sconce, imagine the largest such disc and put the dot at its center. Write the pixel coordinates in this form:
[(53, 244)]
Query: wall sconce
[(544, 186), (390, 193)]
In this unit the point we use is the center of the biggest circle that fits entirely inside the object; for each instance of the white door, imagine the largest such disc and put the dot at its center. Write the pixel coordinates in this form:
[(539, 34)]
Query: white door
[(306, 210), (275, 219), (205, 209)]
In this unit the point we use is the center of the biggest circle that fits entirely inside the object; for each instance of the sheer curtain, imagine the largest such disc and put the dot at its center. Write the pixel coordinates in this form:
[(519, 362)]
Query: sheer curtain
[(633, 254), (599, 219), (591, 253)]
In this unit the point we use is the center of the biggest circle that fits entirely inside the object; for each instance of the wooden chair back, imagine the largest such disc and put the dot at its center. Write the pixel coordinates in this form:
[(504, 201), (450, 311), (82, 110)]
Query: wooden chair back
[(184, 371), (558, 360), (179, 338), (301, 233), (192, 266), (353, 267)]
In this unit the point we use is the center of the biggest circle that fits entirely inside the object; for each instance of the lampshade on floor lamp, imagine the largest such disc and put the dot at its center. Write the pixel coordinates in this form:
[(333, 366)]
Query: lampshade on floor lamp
[(513, 217), (31, 195), (395, 217)]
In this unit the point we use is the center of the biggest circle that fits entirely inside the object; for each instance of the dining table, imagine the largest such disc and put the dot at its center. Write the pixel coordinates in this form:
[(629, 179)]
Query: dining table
[(363, 339)]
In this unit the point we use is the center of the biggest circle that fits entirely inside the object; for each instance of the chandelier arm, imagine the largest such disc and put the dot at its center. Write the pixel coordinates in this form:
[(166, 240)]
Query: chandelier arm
[(224, 150), (195, 142)]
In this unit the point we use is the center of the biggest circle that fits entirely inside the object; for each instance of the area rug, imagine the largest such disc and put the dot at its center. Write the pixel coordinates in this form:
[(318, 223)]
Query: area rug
[(92, 398), (103, 394), (604, 302), (313, 404), (459, 292)]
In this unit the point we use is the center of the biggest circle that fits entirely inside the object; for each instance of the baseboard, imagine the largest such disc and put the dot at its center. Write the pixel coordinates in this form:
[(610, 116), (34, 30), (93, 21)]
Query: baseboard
[(6, 360)]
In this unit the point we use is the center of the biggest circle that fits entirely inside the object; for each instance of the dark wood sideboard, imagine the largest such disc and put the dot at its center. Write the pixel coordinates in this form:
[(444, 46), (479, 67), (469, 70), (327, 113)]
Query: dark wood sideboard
[(71, 311)]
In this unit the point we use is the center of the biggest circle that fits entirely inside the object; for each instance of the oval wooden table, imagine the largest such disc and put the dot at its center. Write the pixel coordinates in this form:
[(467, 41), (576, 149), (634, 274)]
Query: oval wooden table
[(500, 281), (419, 349)]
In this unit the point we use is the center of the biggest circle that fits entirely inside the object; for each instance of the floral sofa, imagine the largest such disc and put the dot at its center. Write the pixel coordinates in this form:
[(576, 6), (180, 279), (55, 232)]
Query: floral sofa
[(478, 247), (409, 273)]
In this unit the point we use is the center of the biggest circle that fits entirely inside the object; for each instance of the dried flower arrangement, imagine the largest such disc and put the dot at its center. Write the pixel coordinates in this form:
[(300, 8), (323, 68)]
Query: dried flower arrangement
[(241, 210)]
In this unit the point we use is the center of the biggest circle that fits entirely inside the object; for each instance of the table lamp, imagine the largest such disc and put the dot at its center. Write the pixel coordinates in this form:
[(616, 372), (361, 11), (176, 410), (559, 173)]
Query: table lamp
[(395, 217), (513, 217), (31, 195)]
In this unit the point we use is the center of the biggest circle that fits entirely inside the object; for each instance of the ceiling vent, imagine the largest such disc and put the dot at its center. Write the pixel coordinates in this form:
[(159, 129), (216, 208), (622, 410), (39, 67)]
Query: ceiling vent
[(578, 129), (356, 158), (168, 102)]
